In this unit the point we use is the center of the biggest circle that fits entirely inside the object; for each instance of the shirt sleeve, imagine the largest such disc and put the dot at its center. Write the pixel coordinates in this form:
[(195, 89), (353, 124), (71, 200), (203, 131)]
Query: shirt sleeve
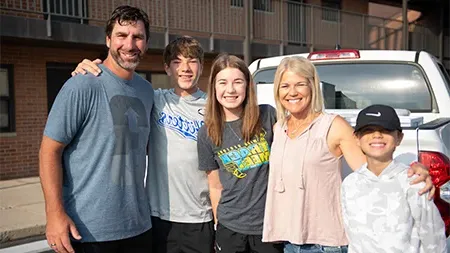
[(69, 110), (205, 152), (344, 208), (427, 220), (350, 211), (273, 115), (269, 112)]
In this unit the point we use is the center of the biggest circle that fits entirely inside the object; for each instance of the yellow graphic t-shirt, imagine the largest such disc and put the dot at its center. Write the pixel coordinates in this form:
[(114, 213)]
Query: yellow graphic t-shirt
[(240, 158), (243, 171)]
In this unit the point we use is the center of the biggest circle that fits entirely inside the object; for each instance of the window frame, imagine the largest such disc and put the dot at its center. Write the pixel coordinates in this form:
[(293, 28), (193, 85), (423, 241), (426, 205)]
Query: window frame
[(11, 128)]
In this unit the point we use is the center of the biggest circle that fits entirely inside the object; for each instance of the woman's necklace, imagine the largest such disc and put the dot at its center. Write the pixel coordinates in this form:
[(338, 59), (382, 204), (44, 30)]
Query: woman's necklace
[(235, 134), (298, 127)]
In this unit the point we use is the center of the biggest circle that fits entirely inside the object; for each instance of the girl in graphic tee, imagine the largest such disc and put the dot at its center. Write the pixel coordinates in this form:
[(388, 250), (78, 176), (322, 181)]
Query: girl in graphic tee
[(233, 149)]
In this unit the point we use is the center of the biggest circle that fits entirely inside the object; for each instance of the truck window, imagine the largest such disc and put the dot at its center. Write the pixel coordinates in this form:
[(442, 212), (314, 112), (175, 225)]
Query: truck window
[(265, 76), (357, 85)]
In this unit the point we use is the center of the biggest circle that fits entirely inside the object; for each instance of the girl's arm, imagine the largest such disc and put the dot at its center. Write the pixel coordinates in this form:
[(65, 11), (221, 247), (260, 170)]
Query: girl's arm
[(215, 190)]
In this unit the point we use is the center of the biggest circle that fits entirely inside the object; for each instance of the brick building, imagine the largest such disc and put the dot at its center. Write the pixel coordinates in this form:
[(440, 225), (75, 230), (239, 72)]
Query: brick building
[(42, 40)]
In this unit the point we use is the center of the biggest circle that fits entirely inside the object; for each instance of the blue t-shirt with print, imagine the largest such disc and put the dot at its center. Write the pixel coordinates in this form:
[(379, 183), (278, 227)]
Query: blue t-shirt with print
[(104, 122)]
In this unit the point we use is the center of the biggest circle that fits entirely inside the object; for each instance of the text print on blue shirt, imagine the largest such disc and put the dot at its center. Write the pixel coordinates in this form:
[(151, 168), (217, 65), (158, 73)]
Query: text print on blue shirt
[(185, 127)]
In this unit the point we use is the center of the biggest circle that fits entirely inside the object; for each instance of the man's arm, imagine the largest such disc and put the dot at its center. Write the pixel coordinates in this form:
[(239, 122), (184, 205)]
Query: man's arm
[(64, 120), (50, 171)]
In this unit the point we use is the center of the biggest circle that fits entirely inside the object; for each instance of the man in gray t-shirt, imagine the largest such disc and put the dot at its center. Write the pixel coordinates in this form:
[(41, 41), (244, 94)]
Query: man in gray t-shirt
[(178, 192), (92, 157)]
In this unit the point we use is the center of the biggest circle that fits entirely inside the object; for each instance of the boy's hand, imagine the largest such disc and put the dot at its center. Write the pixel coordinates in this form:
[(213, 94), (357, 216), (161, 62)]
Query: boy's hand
[(423, 176), (86, 66)]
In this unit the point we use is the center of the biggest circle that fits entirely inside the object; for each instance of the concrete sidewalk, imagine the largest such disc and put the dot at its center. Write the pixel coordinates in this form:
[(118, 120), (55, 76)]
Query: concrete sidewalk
[(22, 213)]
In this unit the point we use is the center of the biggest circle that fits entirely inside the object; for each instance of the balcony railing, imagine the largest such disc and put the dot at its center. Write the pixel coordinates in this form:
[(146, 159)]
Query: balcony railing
[(277, 22)]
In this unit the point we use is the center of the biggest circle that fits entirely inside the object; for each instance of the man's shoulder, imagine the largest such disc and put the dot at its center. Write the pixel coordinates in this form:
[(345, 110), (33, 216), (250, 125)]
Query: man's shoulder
[(139, 80), (82, 85), (87, 82)]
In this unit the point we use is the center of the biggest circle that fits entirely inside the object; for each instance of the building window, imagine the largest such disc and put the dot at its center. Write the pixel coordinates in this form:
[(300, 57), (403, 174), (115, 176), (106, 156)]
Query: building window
[(331, 10), (7, 117), (261, 5), (74, 11)]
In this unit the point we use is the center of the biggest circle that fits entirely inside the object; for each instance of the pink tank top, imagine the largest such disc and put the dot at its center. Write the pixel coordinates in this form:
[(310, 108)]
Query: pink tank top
[(303, 203)]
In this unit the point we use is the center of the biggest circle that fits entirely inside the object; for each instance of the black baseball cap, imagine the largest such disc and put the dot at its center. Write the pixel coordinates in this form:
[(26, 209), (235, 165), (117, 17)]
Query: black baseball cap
[(378, 115)]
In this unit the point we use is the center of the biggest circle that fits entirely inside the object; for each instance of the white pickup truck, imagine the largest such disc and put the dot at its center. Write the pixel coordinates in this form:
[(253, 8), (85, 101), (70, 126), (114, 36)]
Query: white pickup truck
[(415, 83)]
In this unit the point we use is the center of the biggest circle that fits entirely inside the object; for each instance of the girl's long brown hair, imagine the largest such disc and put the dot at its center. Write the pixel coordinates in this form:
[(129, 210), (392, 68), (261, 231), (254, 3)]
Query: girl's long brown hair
[(215, 117)]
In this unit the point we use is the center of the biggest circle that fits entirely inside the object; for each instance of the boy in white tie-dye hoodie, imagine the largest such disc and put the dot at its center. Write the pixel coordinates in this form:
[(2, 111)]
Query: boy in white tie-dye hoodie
[(382, 211)]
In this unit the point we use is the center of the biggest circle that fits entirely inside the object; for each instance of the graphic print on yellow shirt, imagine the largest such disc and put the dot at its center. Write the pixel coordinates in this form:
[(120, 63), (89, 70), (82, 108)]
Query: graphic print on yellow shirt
[(240, 158)]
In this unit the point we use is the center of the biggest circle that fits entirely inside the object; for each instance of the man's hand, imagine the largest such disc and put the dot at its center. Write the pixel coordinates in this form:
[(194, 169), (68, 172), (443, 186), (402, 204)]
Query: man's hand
[(58, 227), (86, 66), (423, 176)]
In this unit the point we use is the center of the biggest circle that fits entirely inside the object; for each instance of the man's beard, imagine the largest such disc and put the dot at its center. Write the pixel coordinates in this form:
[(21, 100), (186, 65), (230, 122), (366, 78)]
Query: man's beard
[(127, 65)]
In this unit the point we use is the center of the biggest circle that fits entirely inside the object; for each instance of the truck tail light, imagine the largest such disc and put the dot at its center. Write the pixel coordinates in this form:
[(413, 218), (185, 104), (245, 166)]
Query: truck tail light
[(438, 164), (334, 54), (439, 168)]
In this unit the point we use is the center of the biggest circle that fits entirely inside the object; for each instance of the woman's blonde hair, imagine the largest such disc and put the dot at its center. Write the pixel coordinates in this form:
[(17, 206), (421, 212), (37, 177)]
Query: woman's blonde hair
[(302, 67), (214, 116)]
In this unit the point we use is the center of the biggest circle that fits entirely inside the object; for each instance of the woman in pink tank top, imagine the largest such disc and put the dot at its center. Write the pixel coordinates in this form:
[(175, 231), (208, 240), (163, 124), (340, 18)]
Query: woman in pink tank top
[(303, 196)]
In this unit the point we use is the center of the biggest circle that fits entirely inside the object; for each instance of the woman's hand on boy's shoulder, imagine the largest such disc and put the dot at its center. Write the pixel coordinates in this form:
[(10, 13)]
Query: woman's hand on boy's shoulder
[(422, 176)]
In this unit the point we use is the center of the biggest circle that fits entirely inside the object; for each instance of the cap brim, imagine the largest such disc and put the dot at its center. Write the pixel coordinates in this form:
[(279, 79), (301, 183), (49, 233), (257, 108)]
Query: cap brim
[(380, 124)]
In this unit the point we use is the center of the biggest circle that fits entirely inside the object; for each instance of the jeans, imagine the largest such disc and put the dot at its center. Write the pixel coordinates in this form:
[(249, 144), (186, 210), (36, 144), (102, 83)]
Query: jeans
[(313, 248)]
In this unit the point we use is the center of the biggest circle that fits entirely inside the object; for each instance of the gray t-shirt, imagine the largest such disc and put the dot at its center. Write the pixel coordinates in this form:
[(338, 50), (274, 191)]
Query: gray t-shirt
[(243, 171), (178, 191), (104, 122)]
